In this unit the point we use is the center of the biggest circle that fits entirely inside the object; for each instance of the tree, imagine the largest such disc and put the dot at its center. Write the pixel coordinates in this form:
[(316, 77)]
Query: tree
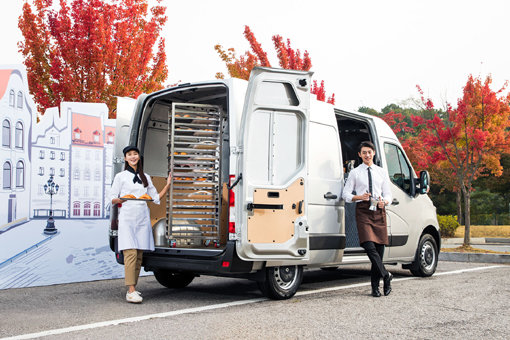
[(92, 50), (469, 138), (288, 58)]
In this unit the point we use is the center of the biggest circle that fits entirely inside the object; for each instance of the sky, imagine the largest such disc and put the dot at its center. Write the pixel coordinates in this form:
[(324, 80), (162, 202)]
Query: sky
[(369, 53)]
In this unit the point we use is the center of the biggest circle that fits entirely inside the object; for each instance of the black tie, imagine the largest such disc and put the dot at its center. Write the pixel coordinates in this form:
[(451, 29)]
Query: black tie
[(369, 181)]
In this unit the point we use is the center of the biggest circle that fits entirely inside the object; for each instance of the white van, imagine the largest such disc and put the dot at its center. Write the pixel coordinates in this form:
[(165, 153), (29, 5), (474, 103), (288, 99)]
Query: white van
[(258, 171)]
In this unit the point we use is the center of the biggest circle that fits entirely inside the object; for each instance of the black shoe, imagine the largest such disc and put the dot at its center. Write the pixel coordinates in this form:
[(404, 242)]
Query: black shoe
[(387, 284), (376, 292)]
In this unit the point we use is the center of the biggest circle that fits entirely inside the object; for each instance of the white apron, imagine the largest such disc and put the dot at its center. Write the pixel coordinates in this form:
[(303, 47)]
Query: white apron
[(135, 230)]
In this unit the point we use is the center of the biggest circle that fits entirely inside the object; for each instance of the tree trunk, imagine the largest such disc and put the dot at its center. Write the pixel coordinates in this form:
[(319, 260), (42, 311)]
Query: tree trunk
[(467, 218), (459, 206)]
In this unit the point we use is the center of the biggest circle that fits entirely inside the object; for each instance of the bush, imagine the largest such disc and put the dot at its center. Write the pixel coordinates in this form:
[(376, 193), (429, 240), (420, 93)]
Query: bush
[(447, 225)]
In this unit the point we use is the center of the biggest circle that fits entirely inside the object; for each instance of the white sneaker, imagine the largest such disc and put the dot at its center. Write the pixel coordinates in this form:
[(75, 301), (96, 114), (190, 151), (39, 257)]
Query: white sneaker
[(134, 297)]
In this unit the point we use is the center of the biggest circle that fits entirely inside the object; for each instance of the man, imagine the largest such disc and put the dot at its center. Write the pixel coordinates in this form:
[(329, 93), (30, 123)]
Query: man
[(371, 185)]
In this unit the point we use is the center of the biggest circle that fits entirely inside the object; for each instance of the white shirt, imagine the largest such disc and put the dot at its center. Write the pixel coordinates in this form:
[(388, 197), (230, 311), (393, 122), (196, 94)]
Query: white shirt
[(135, 231), (358, 182)]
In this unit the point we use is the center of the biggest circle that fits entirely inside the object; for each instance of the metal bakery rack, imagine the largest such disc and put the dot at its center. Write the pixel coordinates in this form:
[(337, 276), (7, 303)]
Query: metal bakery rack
[(193, 209)]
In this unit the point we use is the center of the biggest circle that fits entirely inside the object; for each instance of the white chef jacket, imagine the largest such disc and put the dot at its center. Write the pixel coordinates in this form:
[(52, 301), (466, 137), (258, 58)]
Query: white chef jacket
[(358, 182), (135, 230)]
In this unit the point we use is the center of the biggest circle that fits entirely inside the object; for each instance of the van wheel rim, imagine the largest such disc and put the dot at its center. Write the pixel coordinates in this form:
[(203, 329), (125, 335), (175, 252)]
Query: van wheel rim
[(285, 277), (428, 256)]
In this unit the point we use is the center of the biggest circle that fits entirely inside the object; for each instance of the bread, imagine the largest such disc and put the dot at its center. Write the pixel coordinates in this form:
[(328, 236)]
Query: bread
[(128, 196), (145, 197)]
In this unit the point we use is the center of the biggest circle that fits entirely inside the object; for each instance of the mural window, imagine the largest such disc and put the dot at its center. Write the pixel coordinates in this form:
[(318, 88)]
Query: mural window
[(77, 133), (96, 136), (52, 140), (7, 175), (97, 175), (76, 191), (62, 190), (97, 209), (98, 155), (18, 137), (86, 209), (40, 189), (85, 191), (20, 100), (62, 156), (11, 98), (62, 172), (6, 133), (41, 154), (52, 171), (76, 208), (41, 171), (87, 175), (77, 153), (96, 191), (76, 173), (20, 175), (87, 154), (52, 154)]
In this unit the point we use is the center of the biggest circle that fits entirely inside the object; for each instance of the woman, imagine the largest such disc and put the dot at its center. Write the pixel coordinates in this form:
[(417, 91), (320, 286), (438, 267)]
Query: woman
[(135, 231)]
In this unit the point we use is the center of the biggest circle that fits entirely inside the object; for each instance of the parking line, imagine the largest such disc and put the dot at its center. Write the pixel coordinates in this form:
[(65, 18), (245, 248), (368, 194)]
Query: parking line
[(212, 307)]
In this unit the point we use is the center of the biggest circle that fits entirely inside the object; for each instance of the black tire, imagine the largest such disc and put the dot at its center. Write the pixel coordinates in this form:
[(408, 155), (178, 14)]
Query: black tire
[(281, 282), (171, 279), (427, 254)]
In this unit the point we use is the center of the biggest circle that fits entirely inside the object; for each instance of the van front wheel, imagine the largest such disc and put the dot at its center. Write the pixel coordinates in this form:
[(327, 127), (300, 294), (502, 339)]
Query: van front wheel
[(281, 282), (171, 279), (425, 261)]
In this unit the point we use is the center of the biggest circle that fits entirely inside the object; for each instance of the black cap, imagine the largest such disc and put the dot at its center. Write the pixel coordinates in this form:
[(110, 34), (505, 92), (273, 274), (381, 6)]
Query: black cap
[(129, 148)]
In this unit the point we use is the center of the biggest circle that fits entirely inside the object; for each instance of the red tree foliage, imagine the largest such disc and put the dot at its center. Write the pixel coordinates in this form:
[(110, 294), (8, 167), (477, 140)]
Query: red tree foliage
[(240, 67), (469, 139), (92, 50)]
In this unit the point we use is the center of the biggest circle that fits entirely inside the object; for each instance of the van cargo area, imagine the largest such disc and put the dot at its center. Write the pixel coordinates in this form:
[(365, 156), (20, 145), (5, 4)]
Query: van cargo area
[(186, 133)]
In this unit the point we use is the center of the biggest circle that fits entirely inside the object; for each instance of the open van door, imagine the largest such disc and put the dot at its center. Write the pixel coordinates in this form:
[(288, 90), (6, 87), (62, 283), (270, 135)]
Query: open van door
[(273, 163)]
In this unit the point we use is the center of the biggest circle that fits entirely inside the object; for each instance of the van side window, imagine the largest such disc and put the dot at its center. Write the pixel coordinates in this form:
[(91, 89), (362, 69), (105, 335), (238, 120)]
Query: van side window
[(399, 169), (276, 93)]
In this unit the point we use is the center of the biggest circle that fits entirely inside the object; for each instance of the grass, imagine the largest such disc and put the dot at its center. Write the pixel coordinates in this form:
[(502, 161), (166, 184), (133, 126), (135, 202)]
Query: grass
[(502, 231), (485, 231), (469, 249)]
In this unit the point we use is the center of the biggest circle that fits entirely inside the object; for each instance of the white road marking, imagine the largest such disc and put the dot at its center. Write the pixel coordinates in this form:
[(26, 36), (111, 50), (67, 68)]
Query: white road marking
[(212, 307)]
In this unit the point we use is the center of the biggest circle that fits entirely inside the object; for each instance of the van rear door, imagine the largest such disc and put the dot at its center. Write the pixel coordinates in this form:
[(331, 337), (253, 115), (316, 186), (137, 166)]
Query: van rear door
[(273, 163)]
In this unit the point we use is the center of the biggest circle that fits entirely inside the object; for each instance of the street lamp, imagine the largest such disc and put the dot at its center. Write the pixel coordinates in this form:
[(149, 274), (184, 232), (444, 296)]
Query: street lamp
[(50, 189)]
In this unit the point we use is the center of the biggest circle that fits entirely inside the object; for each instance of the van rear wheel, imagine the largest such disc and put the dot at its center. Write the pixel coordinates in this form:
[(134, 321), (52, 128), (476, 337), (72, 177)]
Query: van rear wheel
[(281, 282), (171, 279), (425, 261)]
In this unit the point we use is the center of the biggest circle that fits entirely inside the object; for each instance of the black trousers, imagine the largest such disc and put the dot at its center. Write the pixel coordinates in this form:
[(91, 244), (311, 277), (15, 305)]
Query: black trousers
[(375, 253)]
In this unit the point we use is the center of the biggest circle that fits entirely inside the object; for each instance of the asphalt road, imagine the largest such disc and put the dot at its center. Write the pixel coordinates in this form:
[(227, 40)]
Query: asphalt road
[(461, 301)]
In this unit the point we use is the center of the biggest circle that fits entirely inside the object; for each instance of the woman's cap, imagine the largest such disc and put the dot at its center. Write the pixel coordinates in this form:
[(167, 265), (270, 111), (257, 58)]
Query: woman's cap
[(130, 148)]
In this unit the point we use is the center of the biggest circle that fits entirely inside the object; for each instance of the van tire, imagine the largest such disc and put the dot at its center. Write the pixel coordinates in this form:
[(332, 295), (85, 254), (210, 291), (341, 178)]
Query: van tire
[(427, 255), (281, 283), (171, 279)]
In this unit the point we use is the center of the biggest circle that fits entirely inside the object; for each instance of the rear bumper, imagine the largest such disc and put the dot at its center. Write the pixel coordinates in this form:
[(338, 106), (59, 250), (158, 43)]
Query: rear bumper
[(197, 261)]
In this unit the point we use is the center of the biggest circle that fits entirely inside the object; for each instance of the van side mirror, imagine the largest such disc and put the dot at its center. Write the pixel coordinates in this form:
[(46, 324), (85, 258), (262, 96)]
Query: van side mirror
[(424, 182)]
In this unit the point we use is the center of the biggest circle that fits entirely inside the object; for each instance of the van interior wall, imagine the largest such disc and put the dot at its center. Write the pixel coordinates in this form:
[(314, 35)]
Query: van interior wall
[(156, 152)]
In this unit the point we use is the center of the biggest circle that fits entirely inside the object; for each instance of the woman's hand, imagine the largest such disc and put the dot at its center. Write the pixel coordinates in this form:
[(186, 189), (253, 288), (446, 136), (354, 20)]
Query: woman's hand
[(381, 204), (169, 179), (117, 201)]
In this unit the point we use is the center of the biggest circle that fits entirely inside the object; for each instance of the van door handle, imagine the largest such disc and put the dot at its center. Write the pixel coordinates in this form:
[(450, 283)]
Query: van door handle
[(330, 196), (395, 202)]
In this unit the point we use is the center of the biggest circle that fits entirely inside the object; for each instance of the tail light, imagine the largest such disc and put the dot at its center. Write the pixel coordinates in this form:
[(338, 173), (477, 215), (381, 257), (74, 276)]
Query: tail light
[(231, 211)]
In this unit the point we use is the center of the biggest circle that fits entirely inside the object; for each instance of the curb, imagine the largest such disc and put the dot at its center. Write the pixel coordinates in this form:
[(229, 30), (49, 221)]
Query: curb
[(474, 257), (476, 240)]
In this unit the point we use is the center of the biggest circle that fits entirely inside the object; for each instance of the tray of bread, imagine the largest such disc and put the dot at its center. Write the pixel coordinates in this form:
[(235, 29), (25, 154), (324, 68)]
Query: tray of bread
[(130, 197)]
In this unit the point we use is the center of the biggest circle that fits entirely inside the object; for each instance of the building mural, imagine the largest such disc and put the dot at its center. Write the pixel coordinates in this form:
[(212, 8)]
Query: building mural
[(73, 144), (17, 114)]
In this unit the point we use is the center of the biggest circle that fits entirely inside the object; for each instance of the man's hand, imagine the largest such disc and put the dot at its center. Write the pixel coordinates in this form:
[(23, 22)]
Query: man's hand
[(365, 196), (381, 204)]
